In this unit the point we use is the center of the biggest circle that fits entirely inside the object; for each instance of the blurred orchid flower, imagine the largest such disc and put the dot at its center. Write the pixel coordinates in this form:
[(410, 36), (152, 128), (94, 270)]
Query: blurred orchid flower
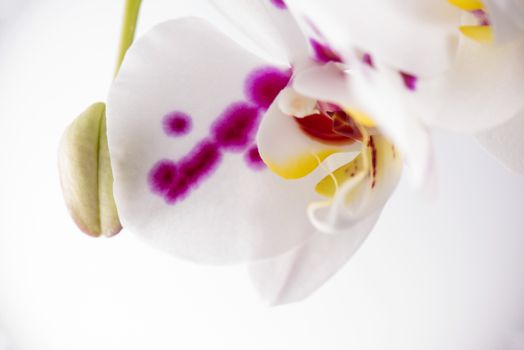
[(453, 64), (222, 156)]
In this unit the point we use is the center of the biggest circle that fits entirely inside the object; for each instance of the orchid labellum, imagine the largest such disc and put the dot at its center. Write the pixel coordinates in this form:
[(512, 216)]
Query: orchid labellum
[(222, 156), (453, 64)]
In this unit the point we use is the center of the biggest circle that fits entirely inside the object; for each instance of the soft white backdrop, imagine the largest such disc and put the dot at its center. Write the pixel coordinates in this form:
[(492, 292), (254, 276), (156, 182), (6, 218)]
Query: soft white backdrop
[(441, 275)]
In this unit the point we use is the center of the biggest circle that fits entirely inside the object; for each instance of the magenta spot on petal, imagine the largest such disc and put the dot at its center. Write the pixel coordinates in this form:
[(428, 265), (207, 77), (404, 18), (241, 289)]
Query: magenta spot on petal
[(263, 85), (176, 124), (481, 16), (192, 169), (323, 53), (279, 4), (235, 128), (253, 158), (201, 161), (162, 176), (367, 59), (410, 81)]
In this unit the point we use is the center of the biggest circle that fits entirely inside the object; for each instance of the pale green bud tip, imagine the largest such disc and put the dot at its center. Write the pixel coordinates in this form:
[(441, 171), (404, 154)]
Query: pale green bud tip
[(86, 175)]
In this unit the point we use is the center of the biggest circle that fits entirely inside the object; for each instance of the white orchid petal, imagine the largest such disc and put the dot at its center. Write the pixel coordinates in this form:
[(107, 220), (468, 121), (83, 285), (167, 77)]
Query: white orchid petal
[(351, 216), (327, 83), (298, 273), (419, 37), (268, 24), (507, 143), (506, 18), (194, 187), (483, 88), (292, 103)]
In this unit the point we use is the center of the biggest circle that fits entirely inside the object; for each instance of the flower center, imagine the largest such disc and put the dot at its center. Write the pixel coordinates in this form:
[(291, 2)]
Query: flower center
[(322, 121), (330, 126)]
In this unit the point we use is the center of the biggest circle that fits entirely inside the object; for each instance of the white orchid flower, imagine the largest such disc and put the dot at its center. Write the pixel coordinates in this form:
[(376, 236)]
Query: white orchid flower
[(221, 156), (453, 64)]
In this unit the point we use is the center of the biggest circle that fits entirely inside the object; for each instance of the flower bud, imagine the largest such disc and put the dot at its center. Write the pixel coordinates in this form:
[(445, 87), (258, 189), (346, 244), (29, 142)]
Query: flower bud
[(85, 173)]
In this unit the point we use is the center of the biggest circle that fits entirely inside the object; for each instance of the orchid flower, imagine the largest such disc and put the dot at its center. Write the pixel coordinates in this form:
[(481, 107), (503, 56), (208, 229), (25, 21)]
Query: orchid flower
[(221, 156), (453, 64)]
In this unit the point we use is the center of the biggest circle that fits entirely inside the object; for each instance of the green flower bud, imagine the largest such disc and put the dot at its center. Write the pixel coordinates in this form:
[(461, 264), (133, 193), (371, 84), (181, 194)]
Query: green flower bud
[(85, 173)]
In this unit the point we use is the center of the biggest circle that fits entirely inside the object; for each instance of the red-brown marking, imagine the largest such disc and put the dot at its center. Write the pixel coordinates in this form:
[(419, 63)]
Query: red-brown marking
[(371, 145), (330, 127)]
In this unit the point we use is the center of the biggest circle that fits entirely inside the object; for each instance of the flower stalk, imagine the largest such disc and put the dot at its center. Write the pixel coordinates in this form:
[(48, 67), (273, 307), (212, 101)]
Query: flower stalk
[(127, 33)]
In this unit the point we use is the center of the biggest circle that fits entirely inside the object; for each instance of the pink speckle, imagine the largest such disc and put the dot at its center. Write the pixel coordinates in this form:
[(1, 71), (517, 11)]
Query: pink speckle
[(233, 131), (481, 16), (410, 81), (162, 176), (263, 85), (323, 53), (201, 161), (279, 4), (192, 169), (367, 59), (253, 159), (176, 124), (235, 128), (177, 191)]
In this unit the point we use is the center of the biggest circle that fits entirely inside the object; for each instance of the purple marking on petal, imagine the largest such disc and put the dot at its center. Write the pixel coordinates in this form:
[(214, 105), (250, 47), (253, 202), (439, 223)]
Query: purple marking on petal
[(192, 169), (162, 176), (235, 128), (410, 81), (178, 191), (202, 160), (367, 59), (253, 159), (176, 123), (279, 4), (482, 17), (263, 85), (323, 53)]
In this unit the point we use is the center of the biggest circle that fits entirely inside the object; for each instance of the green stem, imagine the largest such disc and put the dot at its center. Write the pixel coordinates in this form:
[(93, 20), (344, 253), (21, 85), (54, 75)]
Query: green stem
[(128, 29)]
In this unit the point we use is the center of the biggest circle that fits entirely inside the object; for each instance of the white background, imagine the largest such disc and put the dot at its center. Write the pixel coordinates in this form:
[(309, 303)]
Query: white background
[(442, 275)]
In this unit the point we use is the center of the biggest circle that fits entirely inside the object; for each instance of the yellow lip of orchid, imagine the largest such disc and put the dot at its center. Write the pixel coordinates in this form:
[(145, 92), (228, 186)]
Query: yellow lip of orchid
[(467, 5), (375, 152), (299, 166), (361, 118), (364, 163), (482, 33), (328, 186)]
